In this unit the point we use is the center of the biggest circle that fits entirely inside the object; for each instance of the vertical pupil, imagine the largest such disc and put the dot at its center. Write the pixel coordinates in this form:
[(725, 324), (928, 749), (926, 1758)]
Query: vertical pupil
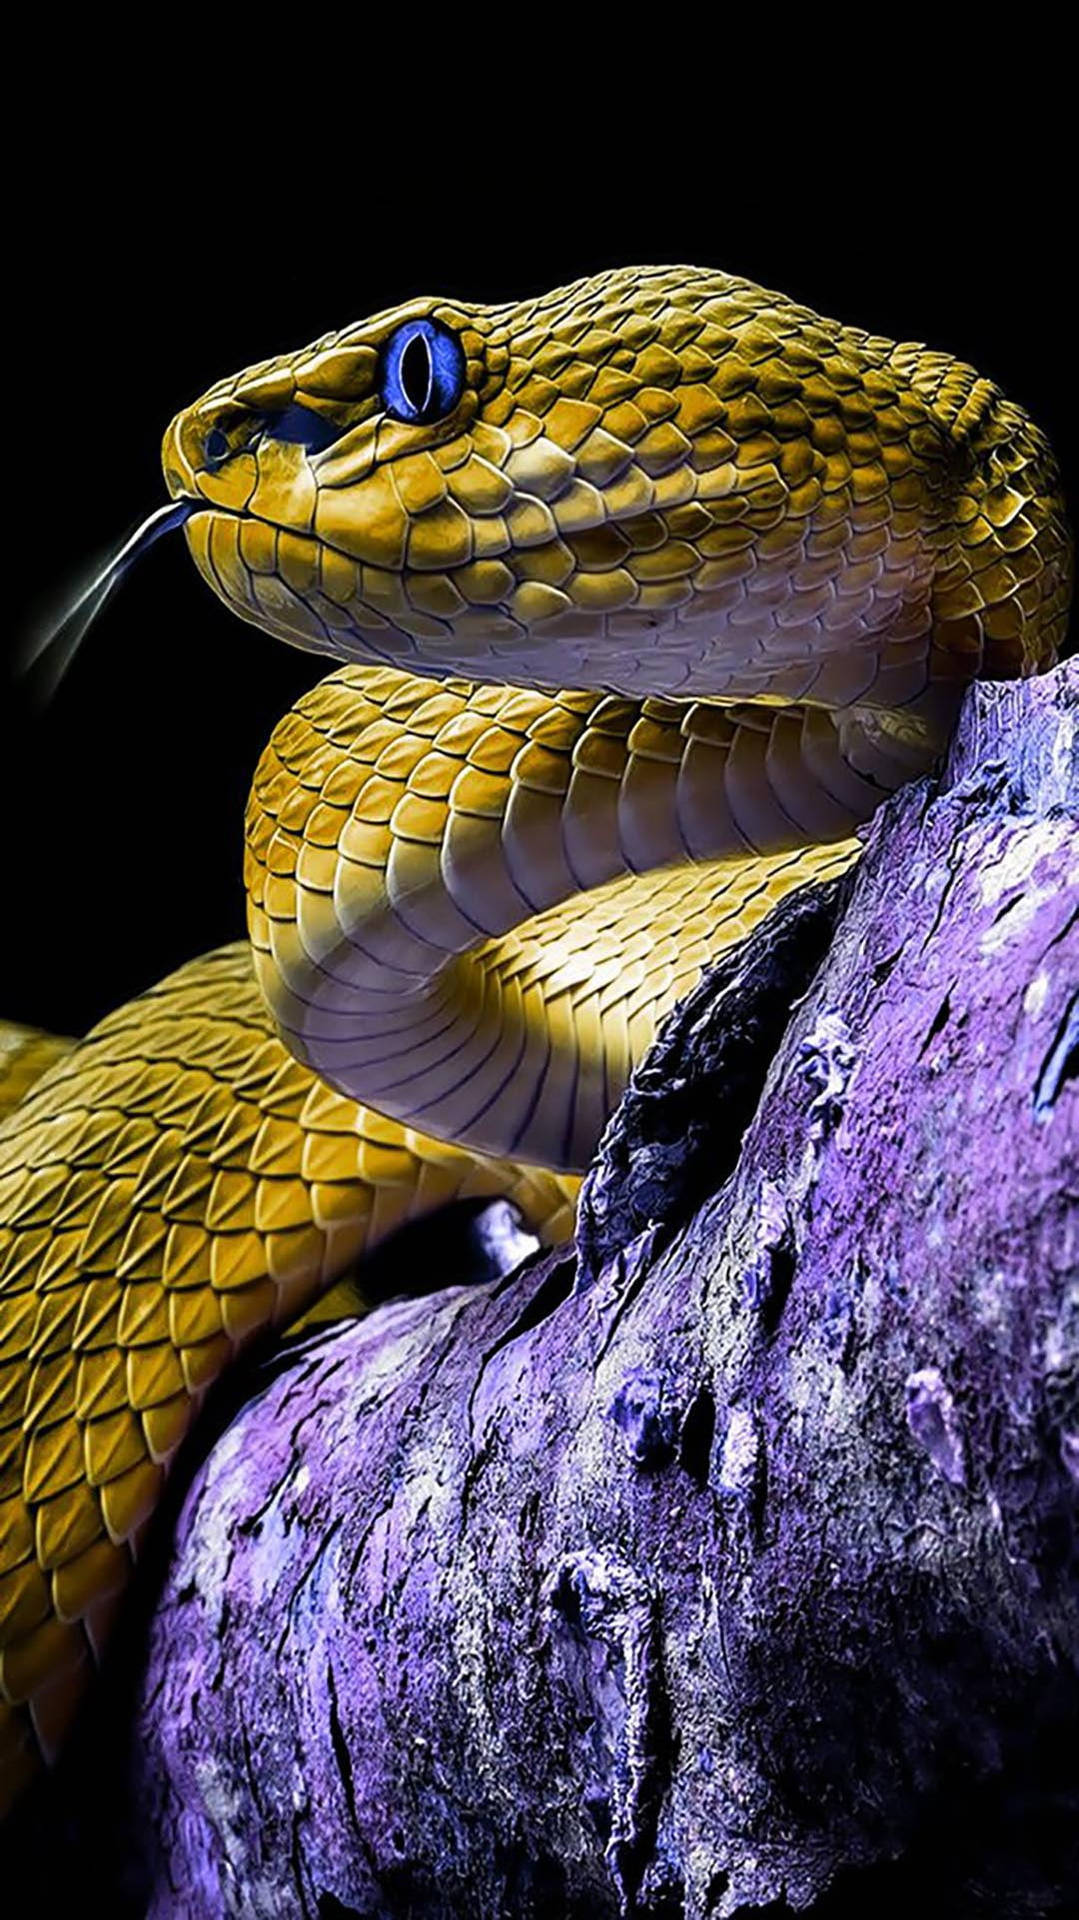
[(416, 373)]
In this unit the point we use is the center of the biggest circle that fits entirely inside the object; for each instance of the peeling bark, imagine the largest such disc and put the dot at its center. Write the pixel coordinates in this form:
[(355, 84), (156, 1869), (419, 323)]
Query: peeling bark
[(732, 1567)]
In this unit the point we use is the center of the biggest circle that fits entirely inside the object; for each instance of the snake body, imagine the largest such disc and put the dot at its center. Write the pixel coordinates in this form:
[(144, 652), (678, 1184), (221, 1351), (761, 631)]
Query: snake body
[(644, 594)]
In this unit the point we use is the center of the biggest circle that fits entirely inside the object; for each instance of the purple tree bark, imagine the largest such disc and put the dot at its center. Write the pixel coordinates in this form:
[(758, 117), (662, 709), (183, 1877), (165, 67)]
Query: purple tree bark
[(730, 1567)]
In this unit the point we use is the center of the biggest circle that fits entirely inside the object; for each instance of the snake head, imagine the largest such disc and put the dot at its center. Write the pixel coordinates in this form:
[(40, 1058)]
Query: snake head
[(661, 481)]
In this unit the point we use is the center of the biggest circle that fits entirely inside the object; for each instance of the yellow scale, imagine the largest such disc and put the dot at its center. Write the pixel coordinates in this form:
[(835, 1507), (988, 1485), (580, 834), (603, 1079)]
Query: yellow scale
[(644, 593)]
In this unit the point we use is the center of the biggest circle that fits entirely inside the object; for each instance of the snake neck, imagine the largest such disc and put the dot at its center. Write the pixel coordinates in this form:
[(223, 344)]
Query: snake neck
[(1003, 585)]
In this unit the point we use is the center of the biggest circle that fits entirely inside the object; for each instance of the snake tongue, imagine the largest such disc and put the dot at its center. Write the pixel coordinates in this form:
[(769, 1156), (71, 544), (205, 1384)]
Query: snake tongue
[(50, 652)]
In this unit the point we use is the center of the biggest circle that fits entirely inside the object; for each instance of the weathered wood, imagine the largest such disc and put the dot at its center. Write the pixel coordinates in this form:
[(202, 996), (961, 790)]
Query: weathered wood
[(740, 1564)]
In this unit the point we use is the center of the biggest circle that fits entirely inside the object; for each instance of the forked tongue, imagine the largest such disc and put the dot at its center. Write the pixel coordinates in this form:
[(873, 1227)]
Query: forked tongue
[(50, 651)]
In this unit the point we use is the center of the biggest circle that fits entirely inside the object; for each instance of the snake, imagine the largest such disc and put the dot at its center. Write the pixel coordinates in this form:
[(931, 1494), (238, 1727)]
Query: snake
[(642, 596)]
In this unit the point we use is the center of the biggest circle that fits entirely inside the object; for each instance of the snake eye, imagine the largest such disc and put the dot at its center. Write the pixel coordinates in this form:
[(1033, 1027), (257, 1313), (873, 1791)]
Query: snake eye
[(216, 445), (423, 371)]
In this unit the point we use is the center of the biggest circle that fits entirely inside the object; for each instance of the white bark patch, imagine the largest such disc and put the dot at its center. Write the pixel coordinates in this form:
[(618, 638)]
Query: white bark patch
[(1036, 994), (1014, 872)]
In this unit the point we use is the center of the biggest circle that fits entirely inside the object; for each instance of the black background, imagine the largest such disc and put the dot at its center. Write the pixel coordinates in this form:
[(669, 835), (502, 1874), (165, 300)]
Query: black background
[(153, 253)]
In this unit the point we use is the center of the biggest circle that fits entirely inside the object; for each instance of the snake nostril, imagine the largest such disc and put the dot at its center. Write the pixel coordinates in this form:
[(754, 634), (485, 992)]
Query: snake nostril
[(216, 445)]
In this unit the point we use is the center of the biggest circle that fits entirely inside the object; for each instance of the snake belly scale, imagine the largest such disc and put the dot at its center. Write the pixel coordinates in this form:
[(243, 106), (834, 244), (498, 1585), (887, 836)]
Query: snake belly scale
[(643, 594)]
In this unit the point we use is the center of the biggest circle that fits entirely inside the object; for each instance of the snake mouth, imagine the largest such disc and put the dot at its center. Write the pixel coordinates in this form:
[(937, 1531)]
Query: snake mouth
[(49, 652)]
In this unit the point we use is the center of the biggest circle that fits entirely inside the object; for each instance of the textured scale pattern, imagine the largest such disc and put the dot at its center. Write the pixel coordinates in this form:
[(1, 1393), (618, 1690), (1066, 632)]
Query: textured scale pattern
[(177, 1184), (435, 814), (632, 639)]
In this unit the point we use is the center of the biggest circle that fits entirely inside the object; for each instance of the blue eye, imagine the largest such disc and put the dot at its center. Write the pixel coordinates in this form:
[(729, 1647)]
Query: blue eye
[(423, 371)]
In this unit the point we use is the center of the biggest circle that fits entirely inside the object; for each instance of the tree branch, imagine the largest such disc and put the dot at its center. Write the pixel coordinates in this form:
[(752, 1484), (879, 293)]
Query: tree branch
[(737, 1565)]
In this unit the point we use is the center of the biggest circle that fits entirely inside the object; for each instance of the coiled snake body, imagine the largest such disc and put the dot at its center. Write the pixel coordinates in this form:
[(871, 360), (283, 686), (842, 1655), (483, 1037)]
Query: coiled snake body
[(763, 551)]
